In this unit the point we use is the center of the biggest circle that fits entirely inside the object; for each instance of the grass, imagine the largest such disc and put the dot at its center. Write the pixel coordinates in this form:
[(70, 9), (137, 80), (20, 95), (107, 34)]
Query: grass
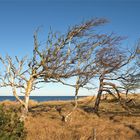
[(115, 123)]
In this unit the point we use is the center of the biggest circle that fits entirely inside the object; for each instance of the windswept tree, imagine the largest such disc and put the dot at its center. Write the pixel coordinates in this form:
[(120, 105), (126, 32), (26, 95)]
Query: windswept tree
[(129, 77), (80, 53), (73, 54), (23, 76), (82, 79), (109, 61), (129, 80), (58, 60), (60, 57), (86, 64)]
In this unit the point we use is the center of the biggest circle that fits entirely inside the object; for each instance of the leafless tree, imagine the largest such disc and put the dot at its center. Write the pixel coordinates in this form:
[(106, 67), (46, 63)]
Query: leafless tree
[(22, 76), (73, 54), (80, 53), (57, 61), (129, 78), (61, 55), (109, 60)]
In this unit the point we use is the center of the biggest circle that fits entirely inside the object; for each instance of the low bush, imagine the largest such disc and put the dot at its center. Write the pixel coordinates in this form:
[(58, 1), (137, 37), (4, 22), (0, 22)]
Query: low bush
[(11, 128)]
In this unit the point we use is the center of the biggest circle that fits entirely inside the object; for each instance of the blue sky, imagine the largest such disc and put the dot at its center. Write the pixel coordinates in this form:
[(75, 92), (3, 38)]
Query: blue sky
[(20, 18)]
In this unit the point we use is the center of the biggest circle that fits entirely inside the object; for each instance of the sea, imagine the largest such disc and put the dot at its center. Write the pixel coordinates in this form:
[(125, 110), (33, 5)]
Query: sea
[(41, 98)]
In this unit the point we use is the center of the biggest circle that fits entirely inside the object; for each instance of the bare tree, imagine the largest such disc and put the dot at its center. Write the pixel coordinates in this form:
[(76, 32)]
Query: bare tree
[(109, 60), (70, 54), (56, 61), (129, 78), (81, 81), (75, 54), (61, 55), (81, 53), (23, 74)]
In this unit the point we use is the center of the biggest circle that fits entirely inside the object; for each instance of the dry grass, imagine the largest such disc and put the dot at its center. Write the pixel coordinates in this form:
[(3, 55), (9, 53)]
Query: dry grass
[(44, 121)]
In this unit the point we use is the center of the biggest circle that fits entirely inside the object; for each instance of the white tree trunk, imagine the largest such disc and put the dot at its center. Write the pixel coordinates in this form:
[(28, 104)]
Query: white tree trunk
[(26, 103), (25, 108)]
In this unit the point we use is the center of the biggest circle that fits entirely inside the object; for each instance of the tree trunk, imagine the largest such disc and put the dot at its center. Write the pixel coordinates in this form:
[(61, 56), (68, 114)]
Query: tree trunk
[(118, 93), (25, 108), (126, 93), (75, 106), (98, 98), (26, 103), (97, 102), (27, 94)]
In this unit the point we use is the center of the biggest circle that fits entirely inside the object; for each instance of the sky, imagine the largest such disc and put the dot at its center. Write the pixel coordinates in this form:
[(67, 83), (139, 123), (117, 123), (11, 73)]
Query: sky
[(20, 18)]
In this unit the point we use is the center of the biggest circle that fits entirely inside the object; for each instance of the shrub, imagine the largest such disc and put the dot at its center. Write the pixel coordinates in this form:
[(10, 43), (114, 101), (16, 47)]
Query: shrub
[(11, 128)]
